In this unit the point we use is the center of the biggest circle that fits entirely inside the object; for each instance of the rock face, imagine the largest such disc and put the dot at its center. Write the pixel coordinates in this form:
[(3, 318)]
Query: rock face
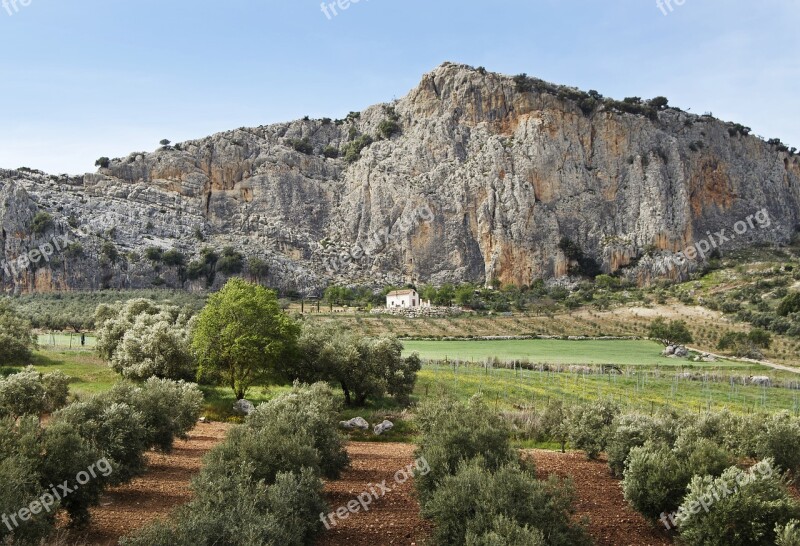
[(473, 176)]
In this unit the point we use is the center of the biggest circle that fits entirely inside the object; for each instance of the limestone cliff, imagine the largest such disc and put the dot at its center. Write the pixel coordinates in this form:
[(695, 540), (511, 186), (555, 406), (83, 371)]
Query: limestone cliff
[(472, 176)]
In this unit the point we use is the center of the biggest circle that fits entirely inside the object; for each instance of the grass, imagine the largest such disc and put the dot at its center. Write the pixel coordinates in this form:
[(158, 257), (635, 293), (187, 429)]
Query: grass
[(550, 351), (65, 340), (638, 388), (88, 372)]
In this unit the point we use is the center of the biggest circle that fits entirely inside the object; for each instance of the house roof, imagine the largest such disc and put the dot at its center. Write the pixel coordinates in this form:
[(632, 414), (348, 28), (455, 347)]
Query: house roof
[(405, 292)]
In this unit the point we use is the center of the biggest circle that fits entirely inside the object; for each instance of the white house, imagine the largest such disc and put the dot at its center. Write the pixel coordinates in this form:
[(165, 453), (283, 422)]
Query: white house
[(407, 299)]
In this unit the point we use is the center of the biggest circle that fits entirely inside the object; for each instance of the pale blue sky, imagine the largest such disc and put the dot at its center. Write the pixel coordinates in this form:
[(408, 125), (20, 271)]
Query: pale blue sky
[(80, 79)]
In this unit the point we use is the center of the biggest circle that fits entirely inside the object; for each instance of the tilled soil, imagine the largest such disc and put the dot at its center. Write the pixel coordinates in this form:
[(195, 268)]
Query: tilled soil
[(611, 521), (391, 519), (164, 487)]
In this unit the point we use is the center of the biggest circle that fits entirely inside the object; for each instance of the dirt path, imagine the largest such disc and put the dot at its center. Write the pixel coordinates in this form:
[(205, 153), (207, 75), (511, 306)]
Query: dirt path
[(160, 490), (611, 521), (393, 518)]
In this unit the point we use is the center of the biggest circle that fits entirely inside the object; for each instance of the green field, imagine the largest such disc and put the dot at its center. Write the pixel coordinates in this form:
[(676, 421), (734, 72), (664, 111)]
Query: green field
[(65, 340), (513, 390), (552, 351)]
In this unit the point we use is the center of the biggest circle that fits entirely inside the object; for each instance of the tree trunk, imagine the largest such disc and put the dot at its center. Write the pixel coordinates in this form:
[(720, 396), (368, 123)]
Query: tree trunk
[(347, 400)]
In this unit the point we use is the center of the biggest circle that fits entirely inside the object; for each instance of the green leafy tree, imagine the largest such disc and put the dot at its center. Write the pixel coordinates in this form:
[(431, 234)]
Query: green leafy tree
[(790, 304), (242, 335), (673, 333)]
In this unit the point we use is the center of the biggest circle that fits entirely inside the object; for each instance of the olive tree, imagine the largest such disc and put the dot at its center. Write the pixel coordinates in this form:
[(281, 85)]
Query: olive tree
[(142, 338), (365, 368), (17, 341)]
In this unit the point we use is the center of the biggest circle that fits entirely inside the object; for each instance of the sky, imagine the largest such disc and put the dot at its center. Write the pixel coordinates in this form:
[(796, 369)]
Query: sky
[(81, 79)]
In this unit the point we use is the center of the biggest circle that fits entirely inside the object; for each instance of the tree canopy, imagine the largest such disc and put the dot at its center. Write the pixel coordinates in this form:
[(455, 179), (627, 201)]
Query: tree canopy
[(242, 335)]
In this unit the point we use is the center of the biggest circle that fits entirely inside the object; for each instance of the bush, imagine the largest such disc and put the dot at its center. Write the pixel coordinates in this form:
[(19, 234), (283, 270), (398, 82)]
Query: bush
[(32, 393), (352, 151), (749, 507), (788, 535), (65, 454), (655, 480), (470, 502), (388, 128), (452, 433), (331, 152), (231, 262), (116, 430), (21, 479), (303, 146), (17, 340), (143, 338), (169, 409), (311, 411), (634, 430), (366, 368), (42, 221), (590, 426), (779, 440), (236, 510), (507, 532)]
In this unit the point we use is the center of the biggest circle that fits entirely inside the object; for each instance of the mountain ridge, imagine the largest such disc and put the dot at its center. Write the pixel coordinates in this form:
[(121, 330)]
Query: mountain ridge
[(472, 176)]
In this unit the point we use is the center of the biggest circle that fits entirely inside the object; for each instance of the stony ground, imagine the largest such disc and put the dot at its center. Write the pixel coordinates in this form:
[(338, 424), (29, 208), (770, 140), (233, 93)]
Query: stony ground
[(155, 494)]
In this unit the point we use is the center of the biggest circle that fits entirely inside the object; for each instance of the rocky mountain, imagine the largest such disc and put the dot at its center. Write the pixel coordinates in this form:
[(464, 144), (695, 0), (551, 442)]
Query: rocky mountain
[(473, 176)]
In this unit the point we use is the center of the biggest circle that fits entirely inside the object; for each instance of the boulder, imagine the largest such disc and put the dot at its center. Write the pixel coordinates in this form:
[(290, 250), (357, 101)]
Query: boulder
[(355, 423), (243, 407), (669, 351), (681, 352), (760, 380), (383, 427)]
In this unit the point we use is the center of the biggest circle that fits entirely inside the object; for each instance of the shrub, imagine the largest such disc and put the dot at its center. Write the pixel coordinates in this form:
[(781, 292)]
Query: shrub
[(655, 480), (470, 502), (352, 151), (42, 221), (32, 393), (634, 430), (790, 304), (231, 262), (452, 433), (331, 152), (116, 430), (169, 409), (103, 163), (506, 532), (17, 340), (388, 128), (590, 426), (303, 146), (308, 410), (236, 510), (749, 506), (779, 440), (65, 455), (788, 535), (21, 479)]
